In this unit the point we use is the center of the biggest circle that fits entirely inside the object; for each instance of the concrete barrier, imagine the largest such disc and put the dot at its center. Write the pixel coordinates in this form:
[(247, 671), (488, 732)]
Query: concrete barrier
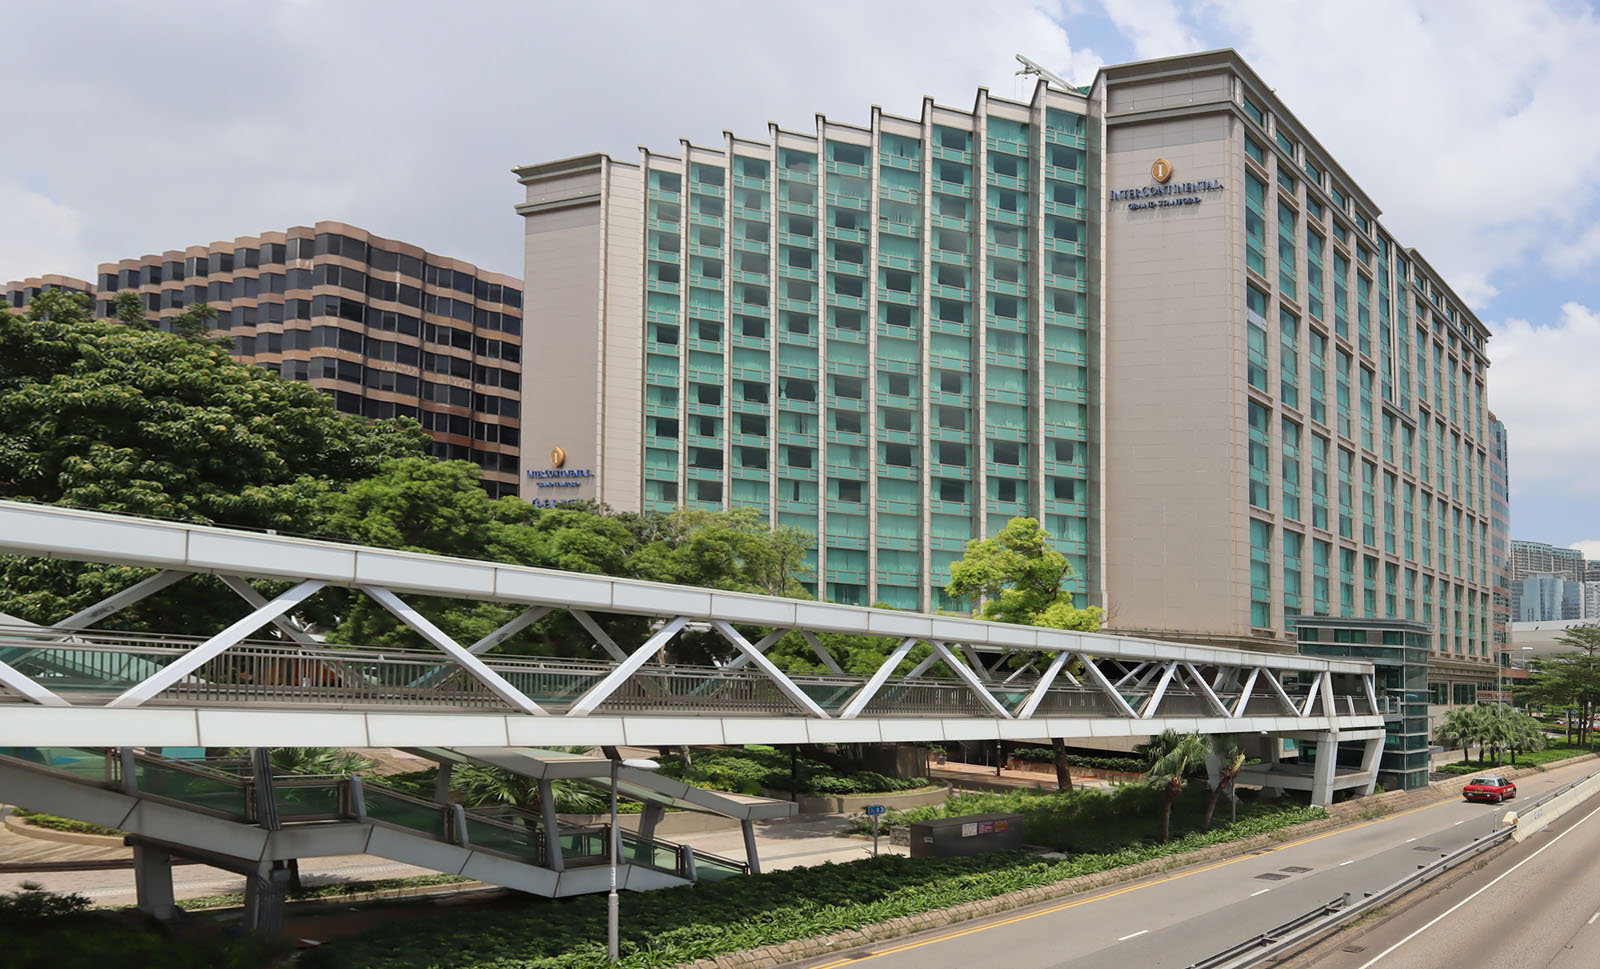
[(1531, 823)]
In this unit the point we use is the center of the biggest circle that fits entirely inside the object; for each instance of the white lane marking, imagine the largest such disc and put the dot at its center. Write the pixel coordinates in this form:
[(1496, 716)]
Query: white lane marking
[(1452, 910), (1262, 892), (1462, 821), (1133, 936), (1343, 863), (1408, 841), (1593, 917)]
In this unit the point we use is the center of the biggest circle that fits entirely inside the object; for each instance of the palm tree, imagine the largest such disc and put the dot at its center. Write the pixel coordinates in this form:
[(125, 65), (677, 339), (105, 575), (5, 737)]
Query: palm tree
[(1172, 755), (1232, 763), (1463, 727), (318, 760)]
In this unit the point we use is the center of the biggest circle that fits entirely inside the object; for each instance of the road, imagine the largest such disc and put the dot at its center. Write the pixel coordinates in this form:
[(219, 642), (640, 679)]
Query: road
[(1533, 906), (1173, 920)]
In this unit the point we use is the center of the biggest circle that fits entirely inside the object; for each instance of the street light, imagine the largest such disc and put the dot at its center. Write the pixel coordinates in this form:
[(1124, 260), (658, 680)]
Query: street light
[(614, 849)]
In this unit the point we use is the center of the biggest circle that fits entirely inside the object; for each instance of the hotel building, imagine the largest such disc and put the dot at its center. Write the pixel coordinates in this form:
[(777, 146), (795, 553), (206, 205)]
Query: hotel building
[(1155, 313)]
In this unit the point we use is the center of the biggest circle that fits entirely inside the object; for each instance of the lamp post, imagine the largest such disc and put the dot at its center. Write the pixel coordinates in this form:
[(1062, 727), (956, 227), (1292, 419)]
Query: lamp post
[(613, 849)]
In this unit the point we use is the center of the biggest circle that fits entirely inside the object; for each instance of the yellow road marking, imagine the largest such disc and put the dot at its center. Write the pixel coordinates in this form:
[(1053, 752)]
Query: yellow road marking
[(1124, 890)]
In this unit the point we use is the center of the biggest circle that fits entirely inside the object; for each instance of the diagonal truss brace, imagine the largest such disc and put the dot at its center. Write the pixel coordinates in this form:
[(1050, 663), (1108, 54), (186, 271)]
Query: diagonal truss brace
[(761, 646), (121, 600), (25, 687), (598, 693), (600, 636), (1045, 682), (822, 654), (1243, 702), (192, 660), (1313, 695), (433, 634), (1220, 708), (1282, 694), (1094, 675), (796, 695), (1154, 700), (866, 693), (971, 679), (517, 625)]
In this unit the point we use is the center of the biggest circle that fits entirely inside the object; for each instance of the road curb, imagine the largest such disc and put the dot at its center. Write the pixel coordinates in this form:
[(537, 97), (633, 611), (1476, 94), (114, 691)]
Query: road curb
[(22, 827)]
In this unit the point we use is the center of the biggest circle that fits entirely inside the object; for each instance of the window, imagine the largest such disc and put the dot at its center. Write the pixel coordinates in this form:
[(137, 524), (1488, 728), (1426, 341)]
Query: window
[(1256, 337), (1291, 469), (1288, 358), (1260, 574), (1255, 222), (1260, 443)]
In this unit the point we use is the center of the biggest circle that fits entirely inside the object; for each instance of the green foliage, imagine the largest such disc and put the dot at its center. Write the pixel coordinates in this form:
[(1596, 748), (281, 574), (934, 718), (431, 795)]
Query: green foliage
[(1018, 575), (1173, 755), (1570, 679), (46, 931), (1044, 755), (676, 926), (1492, 728), (482, 785), (1533, 758), (329, 890), (749, 770), (41, 820)]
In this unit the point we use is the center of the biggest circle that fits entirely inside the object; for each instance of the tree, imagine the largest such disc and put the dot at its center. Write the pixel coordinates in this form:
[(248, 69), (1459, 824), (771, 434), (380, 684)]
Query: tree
[(1058, 747), (1017, 576), (1571, 679), (1232, 762), (1462, 727), (120, 418), (1171, 756)]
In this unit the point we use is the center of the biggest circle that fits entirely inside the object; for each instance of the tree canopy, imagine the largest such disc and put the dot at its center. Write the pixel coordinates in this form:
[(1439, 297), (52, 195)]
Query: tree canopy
[(1017, 576)]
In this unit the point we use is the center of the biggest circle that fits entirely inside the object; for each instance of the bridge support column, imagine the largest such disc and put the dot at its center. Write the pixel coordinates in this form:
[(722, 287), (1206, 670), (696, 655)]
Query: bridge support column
[(1371, 755), (552, 830), (264, 891), (1323, 771), (648, 819), (152, 877), (441, 783), (750, 855), (1270, 745)]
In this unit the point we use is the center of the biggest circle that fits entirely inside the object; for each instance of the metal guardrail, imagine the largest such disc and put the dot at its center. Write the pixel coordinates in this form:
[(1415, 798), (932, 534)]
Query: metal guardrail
[(269, 672), (1281, 941)]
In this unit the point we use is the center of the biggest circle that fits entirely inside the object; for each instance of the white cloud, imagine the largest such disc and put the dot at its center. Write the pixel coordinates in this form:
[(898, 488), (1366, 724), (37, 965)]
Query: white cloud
[(1156, 27), (1589, 547), (1568, 257), (1468, 120), (404, 117), (37, 233), (1542, 387)]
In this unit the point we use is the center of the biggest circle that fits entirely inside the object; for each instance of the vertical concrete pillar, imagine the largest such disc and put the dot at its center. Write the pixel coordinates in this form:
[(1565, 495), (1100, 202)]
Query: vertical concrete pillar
[(750, 855), (552, 829), (441, 783), (264, 892), (1326, 765), (1371, 756), (152, 877), (1269, 759)]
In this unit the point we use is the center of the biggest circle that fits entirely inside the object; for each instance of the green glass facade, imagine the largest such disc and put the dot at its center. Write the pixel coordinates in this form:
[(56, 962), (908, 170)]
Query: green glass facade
[(878, 335)]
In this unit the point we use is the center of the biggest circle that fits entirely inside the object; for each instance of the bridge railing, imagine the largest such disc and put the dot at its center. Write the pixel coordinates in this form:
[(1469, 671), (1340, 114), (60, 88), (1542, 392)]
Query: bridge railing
[(90, 668)]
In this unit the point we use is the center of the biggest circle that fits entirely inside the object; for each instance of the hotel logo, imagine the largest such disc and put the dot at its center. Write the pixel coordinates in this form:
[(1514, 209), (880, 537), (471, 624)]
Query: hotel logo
[(1161, 171), (558, 457)]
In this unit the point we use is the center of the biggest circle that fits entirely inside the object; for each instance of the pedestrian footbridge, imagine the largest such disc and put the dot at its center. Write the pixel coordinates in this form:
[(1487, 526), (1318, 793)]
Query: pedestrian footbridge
[(269, 680), (240, 815)]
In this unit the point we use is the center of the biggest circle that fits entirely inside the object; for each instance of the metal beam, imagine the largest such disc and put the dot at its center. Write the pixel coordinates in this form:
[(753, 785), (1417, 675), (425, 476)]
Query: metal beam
[(1129, 674), (1037, 696), (433, 634), (1149, 708), (15, 681), (1205, 688), (248, 593), (600, 635), (761, 646), (1099, 679), (1283, 695), (822, 654), (796, 695), (597, 694), (122, 600), (971, 679), (866, 693), (1244, 695), (517, 625), (206, 651), (1311, 697), (1372, 693)]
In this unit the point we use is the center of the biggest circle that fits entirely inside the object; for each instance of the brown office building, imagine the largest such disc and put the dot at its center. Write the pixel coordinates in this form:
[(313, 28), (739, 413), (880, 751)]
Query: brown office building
[(384, 328), (20, 292)]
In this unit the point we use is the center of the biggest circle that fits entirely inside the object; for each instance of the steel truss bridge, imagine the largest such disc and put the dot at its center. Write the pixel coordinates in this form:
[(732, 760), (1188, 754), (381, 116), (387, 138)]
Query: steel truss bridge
[(266, 680)]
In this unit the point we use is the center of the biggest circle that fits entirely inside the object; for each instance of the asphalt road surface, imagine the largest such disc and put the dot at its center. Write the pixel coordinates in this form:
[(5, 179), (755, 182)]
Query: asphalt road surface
[(1173, 920), (1533, 906)]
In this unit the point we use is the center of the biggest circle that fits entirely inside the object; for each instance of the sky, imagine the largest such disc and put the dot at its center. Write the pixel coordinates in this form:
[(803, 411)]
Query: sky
[(143, 127)]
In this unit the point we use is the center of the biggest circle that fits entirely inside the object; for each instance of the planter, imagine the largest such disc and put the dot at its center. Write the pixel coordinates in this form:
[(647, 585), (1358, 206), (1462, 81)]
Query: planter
[(671, 824), (855, 803), (22, 827)]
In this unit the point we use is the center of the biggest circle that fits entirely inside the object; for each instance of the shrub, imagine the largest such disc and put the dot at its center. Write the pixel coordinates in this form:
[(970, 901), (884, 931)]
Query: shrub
[(748, 770), (41, 820)]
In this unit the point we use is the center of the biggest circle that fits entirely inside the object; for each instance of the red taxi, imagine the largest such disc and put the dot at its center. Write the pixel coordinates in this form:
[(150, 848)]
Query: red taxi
[(1489, 788)]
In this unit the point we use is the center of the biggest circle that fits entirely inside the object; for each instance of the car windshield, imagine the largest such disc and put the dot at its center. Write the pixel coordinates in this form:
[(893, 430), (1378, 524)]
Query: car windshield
[(1484, 782)]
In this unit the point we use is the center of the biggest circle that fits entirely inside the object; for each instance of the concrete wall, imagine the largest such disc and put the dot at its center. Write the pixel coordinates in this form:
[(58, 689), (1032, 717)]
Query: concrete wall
[(1177, 540)]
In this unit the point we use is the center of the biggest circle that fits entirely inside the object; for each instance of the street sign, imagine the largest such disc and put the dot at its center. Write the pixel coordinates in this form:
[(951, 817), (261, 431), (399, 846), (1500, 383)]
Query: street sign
[(873, 810)]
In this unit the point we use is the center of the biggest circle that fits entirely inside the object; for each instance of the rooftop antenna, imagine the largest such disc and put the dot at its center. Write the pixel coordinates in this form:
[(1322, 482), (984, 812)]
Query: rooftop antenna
[(1030, 66)]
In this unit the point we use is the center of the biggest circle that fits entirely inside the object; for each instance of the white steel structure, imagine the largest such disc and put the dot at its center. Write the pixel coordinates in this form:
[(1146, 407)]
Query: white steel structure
[(66, 684)]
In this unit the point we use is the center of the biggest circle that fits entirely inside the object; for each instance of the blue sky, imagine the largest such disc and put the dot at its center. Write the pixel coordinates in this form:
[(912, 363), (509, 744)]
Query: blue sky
[(148, 127)]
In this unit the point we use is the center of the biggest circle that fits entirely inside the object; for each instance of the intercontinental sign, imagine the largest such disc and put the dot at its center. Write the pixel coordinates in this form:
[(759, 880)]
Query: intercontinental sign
[(1164, 193)]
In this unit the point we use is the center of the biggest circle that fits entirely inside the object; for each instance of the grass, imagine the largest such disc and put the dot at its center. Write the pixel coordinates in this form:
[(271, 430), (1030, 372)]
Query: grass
[(329, 890), (1528, 758), (667, 928), (40, 820), (1091, 820)]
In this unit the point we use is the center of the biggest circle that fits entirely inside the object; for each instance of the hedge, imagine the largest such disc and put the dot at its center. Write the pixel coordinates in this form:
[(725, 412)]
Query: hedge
[(748, 770)]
